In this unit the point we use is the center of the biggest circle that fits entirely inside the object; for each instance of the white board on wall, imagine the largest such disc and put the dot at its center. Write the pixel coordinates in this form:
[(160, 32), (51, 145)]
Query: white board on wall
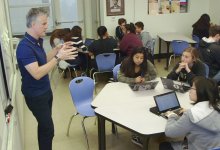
[(18, 10)]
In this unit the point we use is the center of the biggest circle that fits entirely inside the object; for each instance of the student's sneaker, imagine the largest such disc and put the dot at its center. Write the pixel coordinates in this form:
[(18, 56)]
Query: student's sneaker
[(136, 140)]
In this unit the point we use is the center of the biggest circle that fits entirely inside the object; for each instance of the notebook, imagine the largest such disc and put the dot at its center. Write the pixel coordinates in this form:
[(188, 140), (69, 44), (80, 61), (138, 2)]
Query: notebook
[(176, 86), (144, 86), (165, 102), (88, 42)]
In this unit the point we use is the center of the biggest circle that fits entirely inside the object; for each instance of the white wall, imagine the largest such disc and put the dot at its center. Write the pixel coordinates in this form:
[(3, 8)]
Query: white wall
[(214, 11), (136, 10)]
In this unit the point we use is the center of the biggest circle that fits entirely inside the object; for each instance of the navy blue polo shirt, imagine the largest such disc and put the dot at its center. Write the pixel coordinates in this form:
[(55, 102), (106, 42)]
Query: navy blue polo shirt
[(30, 50)]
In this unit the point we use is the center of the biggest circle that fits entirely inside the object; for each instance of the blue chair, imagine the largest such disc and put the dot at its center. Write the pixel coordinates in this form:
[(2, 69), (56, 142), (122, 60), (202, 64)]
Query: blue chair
[(217, 148), (178, 47), (105, 63), (115, 72), (150, 50), (196, 38), (81, 90), (206, 70), (62, 67)]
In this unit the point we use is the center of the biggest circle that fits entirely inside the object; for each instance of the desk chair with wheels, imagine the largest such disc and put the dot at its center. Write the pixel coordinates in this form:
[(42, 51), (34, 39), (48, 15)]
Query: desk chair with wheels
[(178, 47), (81, 90), (105, 63), (196, 38)]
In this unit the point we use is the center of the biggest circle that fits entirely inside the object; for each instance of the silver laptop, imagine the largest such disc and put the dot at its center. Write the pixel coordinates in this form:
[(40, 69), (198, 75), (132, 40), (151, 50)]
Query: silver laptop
[(144, 86), (165, 102), (174, 85)]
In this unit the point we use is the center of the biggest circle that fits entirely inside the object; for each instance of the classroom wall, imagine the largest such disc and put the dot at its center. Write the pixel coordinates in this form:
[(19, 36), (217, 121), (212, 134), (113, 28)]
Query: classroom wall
[(136, 10), (214, 11)]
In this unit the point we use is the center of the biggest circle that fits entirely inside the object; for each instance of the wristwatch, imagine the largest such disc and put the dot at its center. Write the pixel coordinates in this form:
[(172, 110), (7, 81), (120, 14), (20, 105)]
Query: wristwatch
[(57, 58)]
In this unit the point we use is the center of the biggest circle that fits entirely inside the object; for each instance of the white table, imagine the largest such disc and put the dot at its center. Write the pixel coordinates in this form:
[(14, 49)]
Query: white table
[(117, 103), (167, 38)]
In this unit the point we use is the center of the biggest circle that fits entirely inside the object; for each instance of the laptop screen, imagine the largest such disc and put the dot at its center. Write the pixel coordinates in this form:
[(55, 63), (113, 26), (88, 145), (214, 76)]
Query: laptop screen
[(167, 101), (88, 42)]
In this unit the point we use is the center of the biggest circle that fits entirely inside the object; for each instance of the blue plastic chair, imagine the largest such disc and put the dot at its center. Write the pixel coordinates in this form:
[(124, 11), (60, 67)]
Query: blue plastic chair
[(81, 90), (178, 47), (150, 49), (217, 148), (105, 63), (115, 72), (206, 70), (196, 38)]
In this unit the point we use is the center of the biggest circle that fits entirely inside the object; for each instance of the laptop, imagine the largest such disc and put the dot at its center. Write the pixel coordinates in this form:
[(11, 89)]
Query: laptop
[(88, 42), (144, 86), (165, 102), (176, 86)]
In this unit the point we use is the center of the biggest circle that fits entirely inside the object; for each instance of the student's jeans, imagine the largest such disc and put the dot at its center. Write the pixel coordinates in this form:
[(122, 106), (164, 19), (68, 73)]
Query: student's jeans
[(217, 77), (41, 107)]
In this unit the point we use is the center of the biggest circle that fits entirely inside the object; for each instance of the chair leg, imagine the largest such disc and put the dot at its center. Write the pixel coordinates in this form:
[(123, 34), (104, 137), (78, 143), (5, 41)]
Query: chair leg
[(84, 129), (170, 60), (56, 82), (94, 75), (74, 69), (71, 118)]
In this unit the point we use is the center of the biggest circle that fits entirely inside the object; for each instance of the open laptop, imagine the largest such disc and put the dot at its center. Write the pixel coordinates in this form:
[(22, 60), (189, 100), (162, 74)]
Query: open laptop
[(165, 102), (144, 86), (88, 42), (174, 85)]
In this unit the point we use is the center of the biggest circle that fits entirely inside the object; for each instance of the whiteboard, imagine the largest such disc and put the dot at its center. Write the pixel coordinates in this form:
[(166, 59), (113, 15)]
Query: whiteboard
[(18, 11)]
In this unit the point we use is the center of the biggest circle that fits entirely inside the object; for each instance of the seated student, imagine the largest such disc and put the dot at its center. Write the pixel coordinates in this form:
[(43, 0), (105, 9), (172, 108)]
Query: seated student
[(209, 49), (136, 69), (58, 36), (76, 36), (189, 67), (201, 123), (104, 44), (120, 29), (129, 41), (201, 27), (143, 35)]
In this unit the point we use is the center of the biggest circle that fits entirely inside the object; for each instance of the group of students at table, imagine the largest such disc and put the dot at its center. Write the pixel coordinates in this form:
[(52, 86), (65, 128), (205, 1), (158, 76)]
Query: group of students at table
[(128, 36), (200, 125)]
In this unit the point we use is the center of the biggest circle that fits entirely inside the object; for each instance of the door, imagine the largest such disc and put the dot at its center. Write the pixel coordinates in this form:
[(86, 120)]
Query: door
[(69, 13)]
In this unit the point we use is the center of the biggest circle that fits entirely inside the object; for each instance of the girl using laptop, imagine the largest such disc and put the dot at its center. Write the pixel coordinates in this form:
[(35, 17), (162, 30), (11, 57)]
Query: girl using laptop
[(189, 67), (136, 69), (200, 124)]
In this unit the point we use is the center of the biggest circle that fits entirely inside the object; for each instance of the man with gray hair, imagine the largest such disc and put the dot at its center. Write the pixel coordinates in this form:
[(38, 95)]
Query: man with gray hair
[(34, 65)]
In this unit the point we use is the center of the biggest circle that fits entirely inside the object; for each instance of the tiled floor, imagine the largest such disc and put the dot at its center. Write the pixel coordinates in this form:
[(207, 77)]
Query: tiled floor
[(63, 109)]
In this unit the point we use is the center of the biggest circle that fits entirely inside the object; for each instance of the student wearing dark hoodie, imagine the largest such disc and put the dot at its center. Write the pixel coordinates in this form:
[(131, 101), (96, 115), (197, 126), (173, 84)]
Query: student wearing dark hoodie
[(209, 49), (199, 124)]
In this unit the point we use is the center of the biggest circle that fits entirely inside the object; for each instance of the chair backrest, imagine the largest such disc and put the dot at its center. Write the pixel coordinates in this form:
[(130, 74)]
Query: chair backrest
[(196, 38), (105, 61), (179, 46), (152, 45), (81, 90), (115, 72), (217, 148), (206, 70)]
